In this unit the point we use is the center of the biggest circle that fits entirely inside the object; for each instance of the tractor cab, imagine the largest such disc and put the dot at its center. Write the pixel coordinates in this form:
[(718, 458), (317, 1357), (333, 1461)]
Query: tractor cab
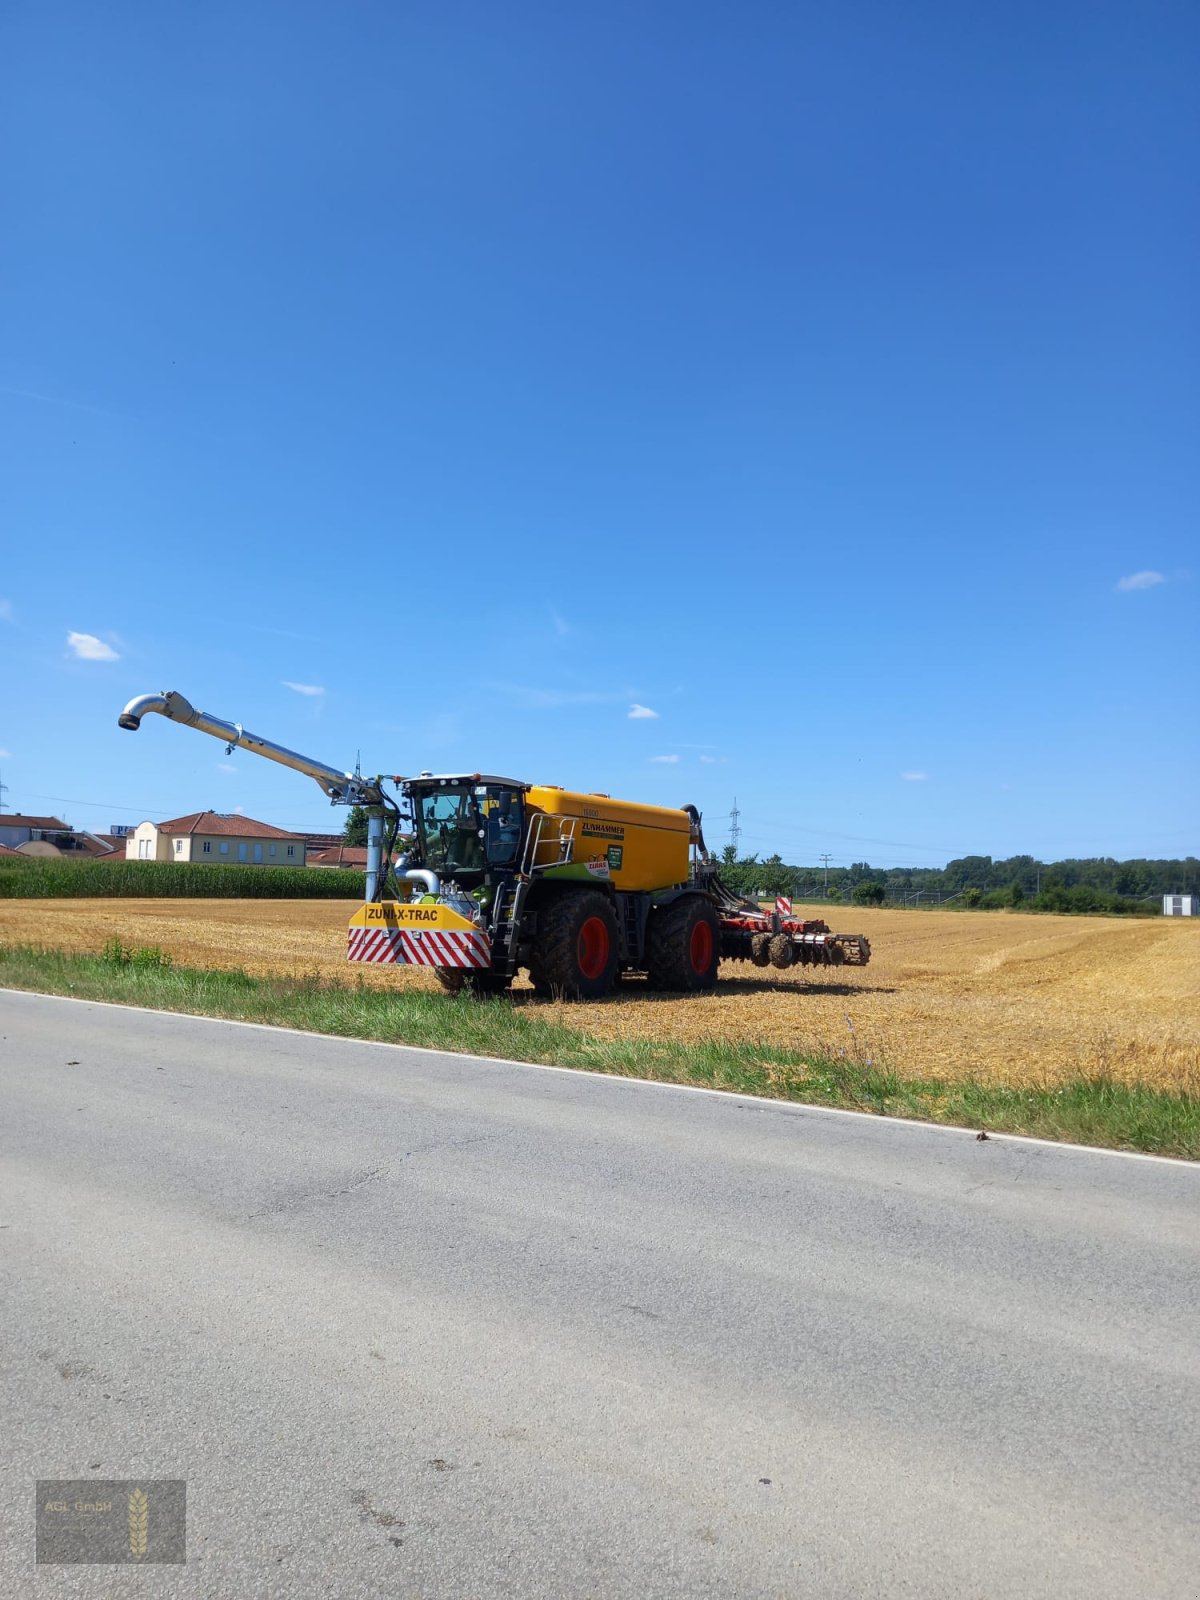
[(470, 828)]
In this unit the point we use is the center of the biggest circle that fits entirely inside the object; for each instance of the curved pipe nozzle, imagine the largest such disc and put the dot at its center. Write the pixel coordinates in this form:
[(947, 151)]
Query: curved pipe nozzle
[(343, 788), (131, 717)]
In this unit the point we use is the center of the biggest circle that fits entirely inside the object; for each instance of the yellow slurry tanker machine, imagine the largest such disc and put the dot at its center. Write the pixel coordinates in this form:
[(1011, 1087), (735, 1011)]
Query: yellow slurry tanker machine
[(500, 875)]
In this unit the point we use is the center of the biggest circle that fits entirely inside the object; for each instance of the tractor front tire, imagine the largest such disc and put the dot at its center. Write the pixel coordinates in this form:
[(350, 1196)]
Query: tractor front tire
[(683, 946), (576, 955)]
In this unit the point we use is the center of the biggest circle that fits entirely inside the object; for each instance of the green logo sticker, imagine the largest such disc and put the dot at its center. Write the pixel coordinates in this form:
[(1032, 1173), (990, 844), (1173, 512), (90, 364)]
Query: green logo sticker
[(615, 853)]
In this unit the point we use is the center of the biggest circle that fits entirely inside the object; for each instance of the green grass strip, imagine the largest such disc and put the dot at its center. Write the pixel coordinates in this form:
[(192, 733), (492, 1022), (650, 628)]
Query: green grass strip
[(1094, 1111)]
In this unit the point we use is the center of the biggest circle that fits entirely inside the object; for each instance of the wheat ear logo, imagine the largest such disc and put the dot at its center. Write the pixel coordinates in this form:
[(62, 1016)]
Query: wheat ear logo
[(139, 1522)]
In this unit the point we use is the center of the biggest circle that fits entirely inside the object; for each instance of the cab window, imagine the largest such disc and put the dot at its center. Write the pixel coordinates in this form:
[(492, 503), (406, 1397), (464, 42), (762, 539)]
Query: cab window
[(503, 812)]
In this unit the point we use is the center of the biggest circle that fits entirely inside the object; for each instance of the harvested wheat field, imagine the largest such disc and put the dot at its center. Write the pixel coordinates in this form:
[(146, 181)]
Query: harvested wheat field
[(1003, 997)]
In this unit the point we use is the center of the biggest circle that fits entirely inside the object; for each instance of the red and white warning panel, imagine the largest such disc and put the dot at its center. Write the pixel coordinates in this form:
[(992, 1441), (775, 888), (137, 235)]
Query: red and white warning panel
[(416, 935), (783, 905)]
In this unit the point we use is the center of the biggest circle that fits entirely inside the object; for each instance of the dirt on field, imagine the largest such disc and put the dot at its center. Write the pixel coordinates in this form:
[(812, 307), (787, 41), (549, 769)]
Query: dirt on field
[(1001, 996)]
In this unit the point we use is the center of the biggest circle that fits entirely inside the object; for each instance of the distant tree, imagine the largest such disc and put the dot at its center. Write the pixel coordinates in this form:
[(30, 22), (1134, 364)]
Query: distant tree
[(972, 897), (774, 876), (869, 894), (974, 870), (356, 826), (1016, 892), (729, 856)]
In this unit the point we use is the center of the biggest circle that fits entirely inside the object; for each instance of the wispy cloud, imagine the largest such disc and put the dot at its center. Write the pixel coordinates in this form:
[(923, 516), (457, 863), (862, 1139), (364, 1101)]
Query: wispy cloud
[(533, 698), (58, 400), (664, 761), (226, 766), (714, 761), (5, 755), (6, 611), (642, 714), (86, 647), (561, 626), (1140, 580), (313, 690), (915, 777)]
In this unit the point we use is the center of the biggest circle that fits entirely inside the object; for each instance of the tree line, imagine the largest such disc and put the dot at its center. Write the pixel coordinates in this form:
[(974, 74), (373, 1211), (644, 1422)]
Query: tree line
[(1095, 883)]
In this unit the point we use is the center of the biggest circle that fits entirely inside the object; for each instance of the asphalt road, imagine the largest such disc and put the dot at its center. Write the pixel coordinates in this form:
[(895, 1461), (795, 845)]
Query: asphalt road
[(412, 1324)]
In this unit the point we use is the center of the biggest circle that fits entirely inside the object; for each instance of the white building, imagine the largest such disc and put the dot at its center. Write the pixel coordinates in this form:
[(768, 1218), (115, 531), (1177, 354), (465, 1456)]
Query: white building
[(215, 838), (1181, 905)]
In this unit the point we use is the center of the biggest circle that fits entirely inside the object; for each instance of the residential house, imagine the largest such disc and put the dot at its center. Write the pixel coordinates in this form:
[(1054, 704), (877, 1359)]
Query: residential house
[(352, 857), (16, 830), (218, 839), (315, 843), (50, 836)]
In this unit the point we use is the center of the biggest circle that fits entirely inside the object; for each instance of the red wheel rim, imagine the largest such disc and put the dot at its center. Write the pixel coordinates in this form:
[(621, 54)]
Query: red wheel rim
[(592, 947), (700, 947)]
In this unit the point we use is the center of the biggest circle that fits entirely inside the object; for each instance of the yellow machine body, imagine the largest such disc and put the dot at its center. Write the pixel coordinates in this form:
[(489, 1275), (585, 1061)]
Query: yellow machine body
[(631, 846)]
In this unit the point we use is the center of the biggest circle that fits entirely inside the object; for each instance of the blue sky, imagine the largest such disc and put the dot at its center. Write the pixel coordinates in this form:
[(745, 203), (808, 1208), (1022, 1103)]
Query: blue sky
[(822, 380)]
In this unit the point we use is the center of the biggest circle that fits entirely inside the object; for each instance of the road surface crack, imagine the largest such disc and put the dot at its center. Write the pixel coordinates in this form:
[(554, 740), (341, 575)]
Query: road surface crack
[(296, 1201)]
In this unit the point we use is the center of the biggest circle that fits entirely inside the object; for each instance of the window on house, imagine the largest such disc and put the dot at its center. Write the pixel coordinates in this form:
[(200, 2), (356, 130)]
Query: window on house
[(179, 847), (291, 849), (271, 849), (208, 847), (224, 847)]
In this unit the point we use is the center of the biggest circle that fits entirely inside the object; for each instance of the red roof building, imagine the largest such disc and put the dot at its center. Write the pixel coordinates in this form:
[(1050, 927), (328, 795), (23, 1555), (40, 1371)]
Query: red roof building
[(351, 856), (217, 838), (16, 828)]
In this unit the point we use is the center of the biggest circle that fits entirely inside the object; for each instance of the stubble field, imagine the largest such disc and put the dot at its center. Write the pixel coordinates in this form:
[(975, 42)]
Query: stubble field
[(1001, 997)]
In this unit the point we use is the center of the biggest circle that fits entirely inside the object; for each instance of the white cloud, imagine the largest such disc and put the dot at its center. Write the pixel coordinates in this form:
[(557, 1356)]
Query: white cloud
[(311, 689), (238, 811), (1140, 580), (642, 714), (915, 777), (561, 626), (6, 611), (5, 755), (714, 761), (226, 766), (87, 647), (665, 761)]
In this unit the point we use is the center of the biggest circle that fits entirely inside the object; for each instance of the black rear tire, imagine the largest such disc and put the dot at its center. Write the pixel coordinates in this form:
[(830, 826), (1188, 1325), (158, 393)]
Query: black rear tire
[(576, 953), (683, 945)]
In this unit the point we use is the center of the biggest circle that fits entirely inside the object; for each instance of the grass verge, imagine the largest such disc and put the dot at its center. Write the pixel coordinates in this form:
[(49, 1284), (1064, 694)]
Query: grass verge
[(1095, 1111)]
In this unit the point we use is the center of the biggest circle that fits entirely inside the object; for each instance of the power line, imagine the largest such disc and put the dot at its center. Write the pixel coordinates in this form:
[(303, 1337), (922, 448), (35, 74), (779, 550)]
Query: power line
[(735, 832), (143, 811), (885, 861), (859, 838)]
